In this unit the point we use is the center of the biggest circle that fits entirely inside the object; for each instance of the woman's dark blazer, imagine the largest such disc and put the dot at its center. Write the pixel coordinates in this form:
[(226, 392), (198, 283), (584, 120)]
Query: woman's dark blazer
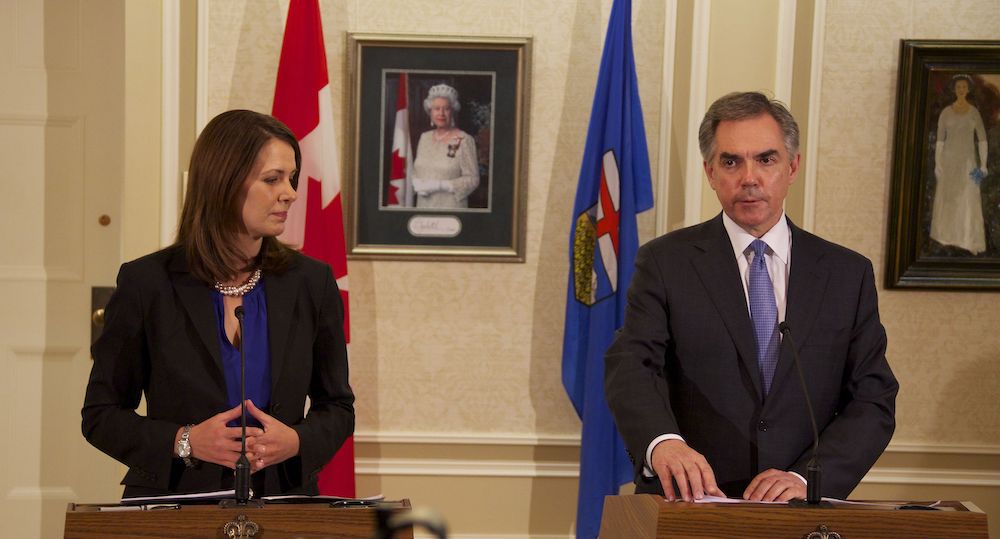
[(161, 338)]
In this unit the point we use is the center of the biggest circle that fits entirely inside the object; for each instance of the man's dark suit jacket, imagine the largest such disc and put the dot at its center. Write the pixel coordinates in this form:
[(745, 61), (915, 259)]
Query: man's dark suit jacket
[(161, 338), (685, 362)]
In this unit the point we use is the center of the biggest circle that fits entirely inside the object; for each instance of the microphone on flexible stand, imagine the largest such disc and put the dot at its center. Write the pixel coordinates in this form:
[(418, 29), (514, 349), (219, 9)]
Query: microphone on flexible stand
[(243, 464), (242, 482), (814, 471)]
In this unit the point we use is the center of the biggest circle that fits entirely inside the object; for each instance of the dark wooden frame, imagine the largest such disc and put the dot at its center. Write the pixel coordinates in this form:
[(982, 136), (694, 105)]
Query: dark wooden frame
[(913, 259), (495, 233)]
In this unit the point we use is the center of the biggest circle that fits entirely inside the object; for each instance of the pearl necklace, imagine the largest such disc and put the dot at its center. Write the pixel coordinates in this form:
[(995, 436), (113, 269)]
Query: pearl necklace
[(242, 289)]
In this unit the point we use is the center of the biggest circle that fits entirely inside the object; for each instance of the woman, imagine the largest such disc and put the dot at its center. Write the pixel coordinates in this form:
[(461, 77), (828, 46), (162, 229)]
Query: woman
[(957, 216), (171, 334), (445, 171)]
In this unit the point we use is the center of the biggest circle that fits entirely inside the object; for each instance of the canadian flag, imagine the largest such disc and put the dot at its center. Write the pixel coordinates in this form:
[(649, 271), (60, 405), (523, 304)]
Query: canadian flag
[(400, 189), (315, 222)]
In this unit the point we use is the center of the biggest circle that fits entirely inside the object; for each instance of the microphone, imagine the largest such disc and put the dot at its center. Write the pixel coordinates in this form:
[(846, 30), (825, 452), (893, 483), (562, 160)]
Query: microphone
[(814, 472), (242, 486)]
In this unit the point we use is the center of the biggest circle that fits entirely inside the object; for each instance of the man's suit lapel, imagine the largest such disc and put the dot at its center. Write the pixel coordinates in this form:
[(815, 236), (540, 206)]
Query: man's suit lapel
[(281, 291), (807, 282), (720, 275), (197, 301)]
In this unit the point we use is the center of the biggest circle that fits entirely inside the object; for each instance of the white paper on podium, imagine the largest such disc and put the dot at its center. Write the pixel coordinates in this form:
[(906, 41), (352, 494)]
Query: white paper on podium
[(832, 501), (720, 499), (228, 494)]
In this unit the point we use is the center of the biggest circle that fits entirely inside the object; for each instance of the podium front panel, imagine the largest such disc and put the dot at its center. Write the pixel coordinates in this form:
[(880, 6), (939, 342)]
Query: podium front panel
[(647, 517), (273, 521)]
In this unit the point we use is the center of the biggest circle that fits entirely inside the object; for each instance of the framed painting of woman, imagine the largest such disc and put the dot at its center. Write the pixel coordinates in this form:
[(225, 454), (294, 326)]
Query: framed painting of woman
[(944, 210), (438, 132)]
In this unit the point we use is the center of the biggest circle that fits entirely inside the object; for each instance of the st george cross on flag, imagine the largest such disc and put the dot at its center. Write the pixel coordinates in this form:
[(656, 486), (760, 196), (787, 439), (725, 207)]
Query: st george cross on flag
[(614, 186)]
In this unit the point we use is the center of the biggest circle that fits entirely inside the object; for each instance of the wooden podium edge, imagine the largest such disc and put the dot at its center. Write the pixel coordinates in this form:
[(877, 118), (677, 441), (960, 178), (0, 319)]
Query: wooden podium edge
[(648, 516), (86, 521), (629, 516)]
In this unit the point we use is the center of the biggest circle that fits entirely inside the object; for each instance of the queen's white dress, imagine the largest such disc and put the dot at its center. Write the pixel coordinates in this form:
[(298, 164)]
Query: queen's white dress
[(458, 167)]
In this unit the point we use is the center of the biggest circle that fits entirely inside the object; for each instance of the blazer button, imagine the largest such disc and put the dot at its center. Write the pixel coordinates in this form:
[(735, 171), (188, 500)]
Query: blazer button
[(762, 425), (275, 407)]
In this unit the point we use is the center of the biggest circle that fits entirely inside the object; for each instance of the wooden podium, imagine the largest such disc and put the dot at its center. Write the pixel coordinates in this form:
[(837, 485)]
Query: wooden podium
[(313, 520), (644, 516)]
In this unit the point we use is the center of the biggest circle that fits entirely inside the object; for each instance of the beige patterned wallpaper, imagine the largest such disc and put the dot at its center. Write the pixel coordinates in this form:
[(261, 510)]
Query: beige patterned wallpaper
[(469, 349), (943, 346), (460, 348)]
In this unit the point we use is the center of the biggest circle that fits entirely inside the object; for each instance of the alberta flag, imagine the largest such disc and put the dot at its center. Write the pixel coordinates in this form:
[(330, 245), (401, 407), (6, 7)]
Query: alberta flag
[(614, 186)]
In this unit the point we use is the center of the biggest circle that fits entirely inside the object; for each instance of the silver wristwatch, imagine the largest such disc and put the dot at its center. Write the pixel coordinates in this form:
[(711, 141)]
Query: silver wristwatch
[(184, 447)]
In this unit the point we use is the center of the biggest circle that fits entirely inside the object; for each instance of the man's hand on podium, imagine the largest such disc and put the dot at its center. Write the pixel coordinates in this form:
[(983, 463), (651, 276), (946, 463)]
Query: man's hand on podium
[(675, 461), (775, 486)]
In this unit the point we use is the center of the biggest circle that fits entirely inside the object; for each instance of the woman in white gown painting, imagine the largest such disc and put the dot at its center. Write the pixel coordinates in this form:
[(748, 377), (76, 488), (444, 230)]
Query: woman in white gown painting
[(957, 217)]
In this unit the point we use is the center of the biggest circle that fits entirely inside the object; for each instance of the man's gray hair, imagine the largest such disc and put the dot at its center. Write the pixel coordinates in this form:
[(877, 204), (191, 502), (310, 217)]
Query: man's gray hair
[(743, 106)]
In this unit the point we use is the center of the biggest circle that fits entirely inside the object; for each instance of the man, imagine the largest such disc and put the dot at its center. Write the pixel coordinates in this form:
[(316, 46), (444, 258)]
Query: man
[(701, 386)]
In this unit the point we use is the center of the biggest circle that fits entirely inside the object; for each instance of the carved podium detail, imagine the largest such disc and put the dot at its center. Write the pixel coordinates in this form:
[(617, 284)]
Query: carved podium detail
[(243, 527), (823, 533)]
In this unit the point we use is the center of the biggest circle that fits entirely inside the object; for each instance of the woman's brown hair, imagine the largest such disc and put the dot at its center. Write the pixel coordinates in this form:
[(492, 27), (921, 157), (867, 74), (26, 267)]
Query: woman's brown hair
[(223, 157)]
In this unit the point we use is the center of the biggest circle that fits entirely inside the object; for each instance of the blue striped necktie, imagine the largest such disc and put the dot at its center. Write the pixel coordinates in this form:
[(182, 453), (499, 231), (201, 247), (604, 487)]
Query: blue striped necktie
[(764, 312)]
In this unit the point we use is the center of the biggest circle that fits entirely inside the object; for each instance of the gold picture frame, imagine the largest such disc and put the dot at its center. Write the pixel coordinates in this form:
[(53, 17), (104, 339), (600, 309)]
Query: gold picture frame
[(489, 78)]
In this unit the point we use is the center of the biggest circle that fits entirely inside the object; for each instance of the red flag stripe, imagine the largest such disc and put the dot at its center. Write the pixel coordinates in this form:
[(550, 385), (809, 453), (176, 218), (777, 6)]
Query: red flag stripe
[(301, 69), (302, 83), (400, 147)]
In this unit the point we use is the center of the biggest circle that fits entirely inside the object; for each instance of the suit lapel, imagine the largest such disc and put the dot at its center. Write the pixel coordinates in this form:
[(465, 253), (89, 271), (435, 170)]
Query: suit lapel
[(807, 282), (720, 275), (197, 301), (281, 291)]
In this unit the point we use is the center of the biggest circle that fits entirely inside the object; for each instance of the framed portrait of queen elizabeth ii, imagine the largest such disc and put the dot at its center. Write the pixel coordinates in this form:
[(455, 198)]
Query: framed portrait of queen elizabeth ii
[(438, 131), (944, 214)]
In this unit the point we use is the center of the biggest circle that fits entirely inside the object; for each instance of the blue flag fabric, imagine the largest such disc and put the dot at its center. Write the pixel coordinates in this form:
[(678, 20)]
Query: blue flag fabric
[(615, 184)]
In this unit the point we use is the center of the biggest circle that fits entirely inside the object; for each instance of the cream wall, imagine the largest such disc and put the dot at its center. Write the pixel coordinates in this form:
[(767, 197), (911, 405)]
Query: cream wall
[(418, 350), (460, 405), (943, 346), (460, 381), (76, 147), (742, 49)]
